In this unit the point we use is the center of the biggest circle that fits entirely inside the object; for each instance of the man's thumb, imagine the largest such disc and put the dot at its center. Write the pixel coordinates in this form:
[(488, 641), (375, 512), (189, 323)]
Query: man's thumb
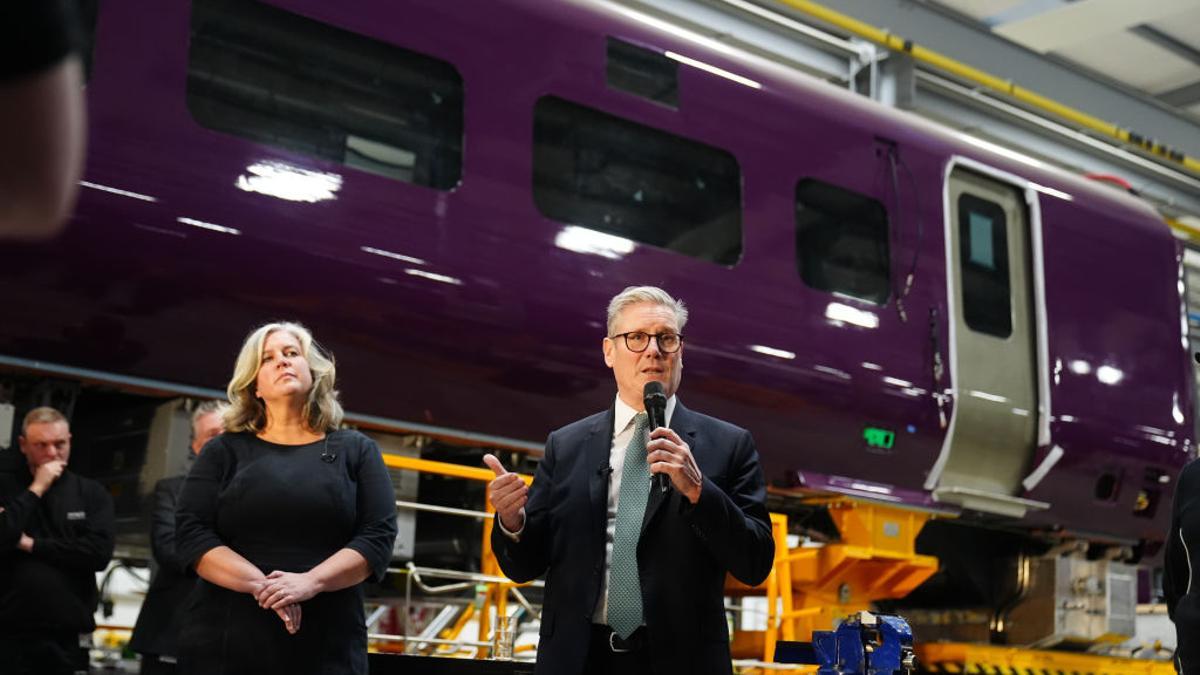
[(494, 464)]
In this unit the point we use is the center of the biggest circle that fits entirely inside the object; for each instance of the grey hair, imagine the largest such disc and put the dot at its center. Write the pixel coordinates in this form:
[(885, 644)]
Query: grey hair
[(634, 295), (42, 415), (205, 408)]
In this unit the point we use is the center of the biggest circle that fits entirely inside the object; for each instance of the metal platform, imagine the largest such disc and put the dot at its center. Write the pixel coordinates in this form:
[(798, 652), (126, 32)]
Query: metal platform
[(952, 657), (403, 664)]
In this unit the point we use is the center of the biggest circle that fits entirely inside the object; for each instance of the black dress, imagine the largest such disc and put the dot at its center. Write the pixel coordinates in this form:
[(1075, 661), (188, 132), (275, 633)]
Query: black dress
[(288, 508), (1181, 590)]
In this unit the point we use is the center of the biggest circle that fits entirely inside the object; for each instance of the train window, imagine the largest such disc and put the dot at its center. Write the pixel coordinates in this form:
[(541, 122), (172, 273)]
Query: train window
[(842, 241), (610, 174), (983, 252), (284, 80), (643, 72)]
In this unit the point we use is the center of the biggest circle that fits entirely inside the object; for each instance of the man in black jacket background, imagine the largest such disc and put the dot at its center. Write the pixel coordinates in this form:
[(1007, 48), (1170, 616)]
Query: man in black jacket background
[(158, 624), (56, 532)]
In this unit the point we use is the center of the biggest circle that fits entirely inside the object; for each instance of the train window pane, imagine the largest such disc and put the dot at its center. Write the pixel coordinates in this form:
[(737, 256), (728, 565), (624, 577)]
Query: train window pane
[(842, 241), (619, 177), (643, 72), (983, 250), (284, 80)]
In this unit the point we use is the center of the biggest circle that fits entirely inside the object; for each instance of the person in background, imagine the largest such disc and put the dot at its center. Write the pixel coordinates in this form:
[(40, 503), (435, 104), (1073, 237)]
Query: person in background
[(635, 574), (42, 117), (283, 517), (1181, 593), (158, 624), (56, 532)]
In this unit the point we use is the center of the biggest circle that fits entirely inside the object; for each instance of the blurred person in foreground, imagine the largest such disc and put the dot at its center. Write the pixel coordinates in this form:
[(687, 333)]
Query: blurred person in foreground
[(42, 117), (156, 634), (1181, 593), (635, 572), (283, 517), (56, 532)]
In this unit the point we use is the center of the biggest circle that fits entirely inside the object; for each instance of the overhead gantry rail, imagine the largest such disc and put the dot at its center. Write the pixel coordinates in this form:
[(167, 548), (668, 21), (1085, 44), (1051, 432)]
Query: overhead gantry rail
[(993, 83), (808, 37)]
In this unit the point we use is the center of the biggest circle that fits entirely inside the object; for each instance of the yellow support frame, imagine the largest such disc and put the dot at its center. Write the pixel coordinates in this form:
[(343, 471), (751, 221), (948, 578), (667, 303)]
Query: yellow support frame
[(810, 588), (496, 595)]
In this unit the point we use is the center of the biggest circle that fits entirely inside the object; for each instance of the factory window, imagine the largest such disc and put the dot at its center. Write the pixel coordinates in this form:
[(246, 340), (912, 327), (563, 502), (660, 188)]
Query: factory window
[(622, 178), (983, 254), (284, 80), (643, 72), (842, 241)]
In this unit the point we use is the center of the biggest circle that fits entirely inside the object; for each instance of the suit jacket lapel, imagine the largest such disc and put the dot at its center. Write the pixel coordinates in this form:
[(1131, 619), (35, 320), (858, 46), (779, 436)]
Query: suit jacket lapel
[(682, 423), (597, 447)]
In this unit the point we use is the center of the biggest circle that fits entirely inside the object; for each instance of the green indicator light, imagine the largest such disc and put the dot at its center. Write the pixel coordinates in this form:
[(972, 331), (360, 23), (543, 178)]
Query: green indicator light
[(879, 438)]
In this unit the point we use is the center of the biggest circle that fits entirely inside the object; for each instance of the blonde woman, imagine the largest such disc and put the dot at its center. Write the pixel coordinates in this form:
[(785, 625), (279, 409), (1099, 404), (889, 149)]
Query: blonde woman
[(283, 517)]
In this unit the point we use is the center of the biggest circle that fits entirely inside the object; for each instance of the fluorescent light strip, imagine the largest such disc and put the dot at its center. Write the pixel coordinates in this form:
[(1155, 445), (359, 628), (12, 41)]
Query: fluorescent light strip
[(771, 351), (840, 374), (583, 240), (116, 191), (208, 226), (714, 70), (1052, 192), (434, 277), (393, 256), (988, 397), (836, 311)]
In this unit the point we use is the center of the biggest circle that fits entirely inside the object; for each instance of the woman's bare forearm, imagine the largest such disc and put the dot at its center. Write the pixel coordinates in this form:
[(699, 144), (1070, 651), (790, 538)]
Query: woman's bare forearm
[(343, 569), (224, 567)]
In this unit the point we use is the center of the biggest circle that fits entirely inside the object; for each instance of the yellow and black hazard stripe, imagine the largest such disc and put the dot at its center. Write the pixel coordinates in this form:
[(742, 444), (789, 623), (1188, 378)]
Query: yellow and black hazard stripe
[(974, 668)]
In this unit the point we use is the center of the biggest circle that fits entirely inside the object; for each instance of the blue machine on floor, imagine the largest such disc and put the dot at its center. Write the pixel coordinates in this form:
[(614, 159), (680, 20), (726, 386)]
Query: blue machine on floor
[(865, 644)]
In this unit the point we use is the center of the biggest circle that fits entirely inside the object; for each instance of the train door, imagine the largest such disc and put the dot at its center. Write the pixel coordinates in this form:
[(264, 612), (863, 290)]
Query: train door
[(994, 358)]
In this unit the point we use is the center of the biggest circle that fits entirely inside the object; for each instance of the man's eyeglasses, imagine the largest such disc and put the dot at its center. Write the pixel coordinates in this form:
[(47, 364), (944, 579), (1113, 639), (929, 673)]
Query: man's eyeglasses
[(637, 341)]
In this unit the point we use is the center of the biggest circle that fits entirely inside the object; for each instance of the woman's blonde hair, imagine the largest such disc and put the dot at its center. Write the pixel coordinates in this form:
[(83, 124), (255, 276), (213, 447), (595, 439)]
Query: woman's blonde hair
[(247, 412)]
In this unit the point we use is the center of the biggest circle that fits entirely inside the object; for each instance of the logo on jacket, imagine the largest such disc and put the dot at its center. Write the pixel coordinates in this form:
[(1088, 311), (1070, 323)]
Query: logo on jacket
[(76, 515)]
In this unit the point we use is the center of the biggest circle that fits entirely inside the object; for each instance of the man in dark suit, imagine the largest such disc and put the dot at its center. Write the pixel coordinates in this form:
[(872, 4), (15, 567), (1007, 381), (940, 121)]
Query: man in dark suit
[(158, 623), (635, 572)]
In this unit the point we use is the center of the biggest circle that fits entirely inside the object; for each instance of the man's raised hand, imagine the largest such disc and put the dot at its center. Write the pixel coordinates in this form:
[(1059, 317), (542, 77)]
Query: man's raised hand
[(508, 494)]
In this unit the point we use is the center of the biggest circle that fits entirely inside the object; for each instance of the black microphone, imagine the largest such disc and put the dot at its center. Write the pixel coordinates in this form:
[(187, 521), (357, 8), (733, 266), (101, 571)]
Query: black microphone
[(656, 410)]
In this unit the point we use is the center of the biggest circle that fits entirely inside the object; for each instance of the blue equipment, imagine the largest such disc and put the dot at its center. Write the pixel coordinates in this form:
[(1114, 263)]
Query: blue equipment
[(864, 644)]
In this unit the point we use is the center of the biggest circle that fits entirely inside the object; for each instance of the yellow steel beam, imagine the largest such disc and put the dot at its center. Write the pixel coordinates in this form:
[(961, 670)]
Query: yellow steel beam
[(996, 84), (452, 632), (1191, 232), (443, 468)]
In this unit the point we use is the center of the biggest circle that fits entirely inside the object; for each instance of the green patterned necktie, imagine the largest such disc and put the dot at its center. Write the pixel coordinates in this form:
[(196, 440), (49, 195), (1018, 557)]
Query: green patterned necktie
[(624, 586)]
